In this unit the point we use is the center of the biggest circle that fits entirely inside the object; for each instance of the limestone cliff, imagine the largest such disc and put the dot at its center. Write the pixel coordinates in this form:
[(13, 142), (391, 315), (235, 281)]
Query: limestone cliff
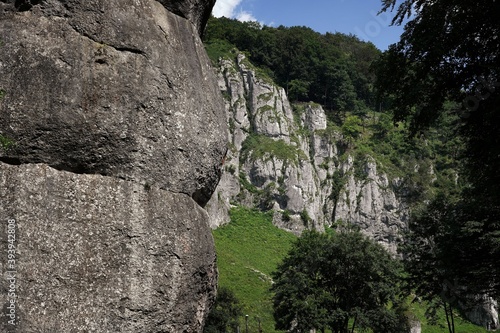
[(290, 160), (113, 131)]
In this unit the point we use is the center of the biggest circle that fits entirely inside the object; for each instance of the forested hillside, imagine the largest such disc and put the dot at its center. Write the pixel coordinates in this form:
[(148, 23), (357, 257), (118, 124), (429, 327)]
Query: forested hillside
[(358, 128), (328, 133), (333, 70)]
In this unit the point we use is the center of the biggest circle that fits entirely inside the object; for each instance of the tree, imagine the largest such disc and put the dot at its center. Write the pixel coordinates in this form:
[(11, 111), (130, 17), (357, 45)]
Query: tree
[(449, 52), (328, 279), (428, 251), (351, 127), (224, 315), (298, 90), (332, 69)]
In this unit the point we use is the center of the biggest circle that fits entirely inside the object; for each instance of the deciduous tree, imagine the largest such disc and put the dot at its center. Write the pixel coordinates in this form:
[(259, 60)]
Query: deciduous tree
[(450, 51), (328, 279)]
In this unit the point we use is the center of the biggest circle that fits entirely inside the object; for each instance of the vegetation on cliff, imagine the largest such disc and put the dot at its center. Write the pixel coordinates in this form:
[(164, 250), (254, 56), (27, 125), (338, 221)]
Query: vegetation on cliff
[(449, 53), (434, 128), (330, 69)]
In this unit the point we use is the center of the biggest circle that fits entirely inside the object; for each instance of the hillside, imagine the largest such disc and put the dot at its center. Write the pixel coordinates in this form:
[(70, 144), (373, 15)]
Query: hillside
[(311, 164), (249, 249), (315, 168)]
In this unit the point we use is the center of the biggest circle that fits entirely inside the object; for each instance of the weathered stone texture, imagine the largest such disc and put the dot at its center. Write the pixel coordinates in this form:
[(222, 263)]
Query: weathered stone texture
[(119, 88), (98, 254), (197, 11), (118, 132)]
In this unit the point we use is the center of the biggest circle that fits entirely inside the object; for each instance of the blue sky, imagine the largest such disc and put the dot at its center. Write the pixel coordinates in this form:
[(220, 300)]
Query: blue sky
[(358, 17)]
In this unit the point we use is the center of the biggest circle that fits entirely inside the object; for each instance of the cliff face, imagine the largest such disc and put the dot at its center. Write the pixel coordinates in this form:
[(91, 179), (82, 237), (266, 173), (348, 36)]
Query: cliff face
[(100, 254), (113, 133), (292, 161)]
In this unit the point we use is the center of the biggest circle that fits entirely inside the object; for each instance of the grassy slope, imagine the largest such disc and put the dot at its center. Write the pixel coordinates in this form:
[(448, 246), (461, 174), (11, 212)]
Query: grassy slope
[(249, 249), (461, 326)]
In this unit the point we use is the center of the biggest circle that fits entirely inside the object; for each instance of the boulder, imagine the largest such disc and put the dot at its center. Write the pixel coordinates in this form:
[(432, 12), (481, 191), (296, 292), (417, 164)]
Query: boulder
[(118, 88), (112, 138), (101, 254)]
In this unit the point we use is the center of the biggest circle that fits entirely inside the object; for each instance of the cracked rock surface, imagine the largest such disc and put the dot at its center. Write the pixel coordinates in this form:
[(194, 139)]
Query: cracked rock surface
[(99, 254), (112, 133), (119, 88)]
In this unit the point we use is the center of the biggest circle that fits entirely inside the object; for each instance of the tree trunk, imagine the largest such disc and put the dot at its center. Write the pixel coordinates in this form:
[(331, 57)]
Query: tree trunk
[(447, 317), (354, 323)]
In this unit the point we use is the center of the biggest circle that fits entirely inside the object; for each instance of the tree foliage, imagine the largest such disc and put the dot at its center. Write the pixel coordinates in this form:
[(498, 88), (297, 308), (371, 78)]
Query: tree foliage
[(450, 52), (224, 315), (351, 127), (328, 279), (331, 69), (447, 51), (428, 251)]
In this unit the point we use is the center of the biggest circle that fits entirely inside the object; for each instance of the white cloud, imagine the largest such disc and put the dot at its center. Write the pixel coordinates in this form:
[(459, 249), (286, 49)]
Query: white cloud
[(245, 17), (227, 8)]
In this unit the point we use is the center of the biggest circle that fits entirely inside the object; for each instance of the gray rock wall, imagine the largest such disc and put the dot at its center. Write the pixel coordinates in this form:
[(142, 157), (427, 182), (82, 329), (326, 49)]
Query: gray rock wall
[(298, 168), (113, 134), (100, 254), (483, 312), (119, 88)]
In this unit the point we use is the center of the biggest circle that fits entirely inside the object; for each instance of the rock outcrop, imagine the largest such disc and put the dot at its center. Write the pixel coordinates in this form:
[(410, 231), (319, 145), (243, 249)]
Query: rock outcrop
[(100, 87), (290, 160), (483, 312), (112, 133), (196, 11), (100, 254)]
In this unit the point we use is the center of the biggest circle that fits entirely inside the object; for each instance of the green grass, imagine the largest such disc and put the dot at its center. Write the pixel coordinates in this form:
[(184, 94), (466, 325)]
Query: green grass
[(6, 143), (248, 250), (461, 325), (218, 49)]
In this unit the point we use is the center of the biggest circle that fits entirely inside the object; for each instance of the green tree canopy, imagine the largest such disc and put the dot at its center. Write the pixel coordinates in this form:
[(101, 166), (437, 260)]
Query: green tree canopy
[(224, 315), (450, 51), (334, 70), (328, 279)]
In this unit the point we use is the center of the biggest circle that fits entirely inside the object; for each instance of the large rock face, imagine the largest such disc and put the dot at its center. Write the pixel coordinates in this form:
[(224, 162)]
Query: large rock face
[(99, 254), (119, 88), (196, 11), (112, 133), (291, 161)]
